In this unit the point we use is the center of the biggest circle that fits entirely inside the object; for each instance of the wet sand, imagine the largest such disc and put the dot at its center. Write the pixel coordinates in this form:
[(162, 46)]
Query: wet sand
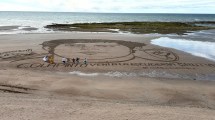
[(32, 89)]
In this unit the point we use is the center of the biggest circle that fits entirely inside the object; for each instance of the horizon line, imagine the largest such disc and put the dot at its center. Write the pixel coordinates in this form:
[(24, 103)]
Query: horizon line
[(105, 12)]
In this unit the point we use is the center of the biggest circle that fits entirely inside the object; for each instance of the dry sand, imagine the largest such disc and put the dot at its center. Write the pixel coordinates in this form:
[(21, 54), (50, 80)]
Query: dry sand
[(37, 90)]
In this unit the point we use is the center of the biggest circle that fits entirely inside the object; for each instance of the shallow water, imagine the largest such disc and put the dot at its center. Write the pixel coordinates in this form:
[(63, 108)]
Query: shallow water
[(197, 48), (40, 19), (150, 74)]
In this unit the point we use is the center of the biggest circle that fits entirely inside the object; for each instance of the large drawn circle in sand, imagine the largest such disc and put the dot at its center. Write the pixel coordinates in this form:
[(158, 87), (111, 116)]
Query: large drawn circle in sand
[(96, 51), (93, 50), (106, 50)]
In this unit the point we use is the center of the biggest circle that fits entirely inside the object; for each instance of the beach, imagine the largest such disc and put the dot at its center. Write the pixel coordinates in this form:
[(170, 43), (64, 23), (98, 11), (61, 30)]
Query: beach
[(126, 77)]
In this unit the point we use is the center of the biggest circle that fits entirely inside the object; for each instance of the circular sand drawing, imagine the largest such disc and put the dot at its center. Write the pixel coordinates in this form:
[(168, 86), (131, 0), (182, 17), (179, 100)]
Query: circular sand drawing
[(93, 50), (96, 51), (106, 50)]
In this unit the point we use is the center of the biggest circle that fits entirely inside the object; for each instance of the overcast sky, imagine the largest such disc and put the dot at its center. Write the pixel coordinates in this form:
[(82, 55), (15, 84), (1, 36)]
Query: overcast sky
[(113, 6)]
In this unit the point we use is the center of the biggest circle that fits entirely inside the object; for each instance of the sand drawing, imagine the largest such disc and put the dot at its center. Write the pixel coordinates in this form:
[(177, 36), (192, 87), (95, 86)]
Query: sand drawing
[(16, 53), (97, 51), (162, 55), (100, 53)]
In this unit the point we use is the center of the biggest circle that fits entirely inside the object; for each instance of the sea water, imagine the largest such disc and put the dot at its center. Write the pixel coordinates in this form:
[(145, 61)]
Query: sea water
[(38, 20), (199, 43), (203, 49)]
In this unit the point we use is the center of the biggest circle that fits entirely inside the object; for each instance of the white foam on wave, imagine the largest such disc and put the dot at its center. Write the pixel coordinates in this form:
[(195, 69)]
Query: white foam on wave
[(83, 74), (128, 74), (200, 33), (110, 74), (119, 74), (196, 48), (150, 74), (164, 74)]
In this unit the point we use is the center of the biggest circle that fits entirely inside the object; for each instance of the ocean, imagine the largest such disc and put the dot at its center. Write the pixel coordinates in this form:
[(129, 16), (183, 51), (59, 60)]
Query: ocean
[(34, 22), (199, 43)]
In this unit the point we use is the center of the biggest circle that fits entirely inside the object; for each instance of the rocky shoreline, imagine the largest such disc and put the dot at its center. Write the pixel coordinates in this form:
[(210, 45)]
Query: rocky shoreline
[(179, 28)]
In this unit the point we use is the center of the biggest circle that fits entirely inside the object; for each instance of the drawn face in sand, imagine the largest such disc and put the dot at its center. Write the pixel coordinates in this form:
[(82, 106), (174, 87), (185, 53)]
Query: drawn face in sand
[(93, 50), (106, 50), (97, 51)]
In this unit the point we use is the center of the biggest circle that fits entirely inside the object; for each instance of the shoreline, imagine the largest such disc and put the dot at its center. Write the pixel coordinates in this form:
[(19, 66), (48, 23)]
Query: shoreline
[(179, 28), (38, 91), (156, 27), (148, 63)]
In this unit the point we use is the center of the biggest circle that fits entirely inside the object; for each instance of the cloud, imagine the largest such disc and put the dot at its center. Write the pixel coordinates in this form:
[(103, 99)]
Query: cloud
[(125, 6)]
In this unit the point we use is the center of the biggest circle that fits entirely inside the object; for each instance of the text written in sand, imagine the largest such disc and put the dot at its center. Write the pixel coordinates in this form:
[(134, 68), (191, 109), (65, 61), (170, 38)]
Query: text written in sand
[(142, 65)]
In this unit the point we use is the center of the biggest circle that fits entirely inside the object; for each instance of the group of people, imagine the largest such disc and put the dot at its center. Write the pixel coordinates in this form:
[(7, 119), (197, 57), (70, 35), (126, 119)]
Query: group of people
[(50, 59), (74, 60)]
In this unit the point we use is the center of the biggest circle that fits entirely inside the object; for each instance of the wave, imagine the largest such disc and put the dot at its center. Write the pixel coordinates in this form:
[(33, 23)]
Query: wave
[(151, 74), (41, 19), (83, 74), (196, 48)]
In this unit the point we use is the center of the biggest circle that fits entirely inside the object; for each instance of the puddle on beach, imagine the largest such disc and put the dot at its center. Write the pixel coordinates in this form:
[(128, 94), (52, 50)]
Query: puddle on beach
[(196, 48), (150, 74)]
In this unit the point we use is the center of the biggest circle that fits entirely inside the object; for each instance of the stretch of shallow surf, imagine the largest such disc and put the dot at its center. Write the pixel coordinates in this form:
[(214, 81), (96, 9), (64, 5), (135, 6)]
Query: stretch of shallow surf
[(151, 74), (197, 48), (200, 43), (34, 22)]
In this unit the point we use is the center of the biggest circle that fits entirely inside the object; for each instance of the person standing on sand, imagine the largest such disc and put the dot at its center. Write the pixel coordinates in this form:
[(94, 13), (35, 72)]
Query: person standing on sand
[(64, 60), (45, 59), (85, 61), (51, 59), (73, 60), (77, 60)]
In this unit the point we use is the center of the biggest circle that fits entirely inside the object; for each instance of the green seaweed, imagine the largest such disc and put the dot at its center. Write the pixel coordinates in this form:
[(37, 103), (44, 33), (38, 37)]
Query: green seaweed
[(134, 27)]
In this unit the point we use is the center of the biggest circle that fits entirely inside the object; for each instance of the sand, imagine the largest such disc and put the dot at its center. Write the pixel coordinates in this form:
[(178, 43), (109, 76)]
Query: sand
[(126, 78)]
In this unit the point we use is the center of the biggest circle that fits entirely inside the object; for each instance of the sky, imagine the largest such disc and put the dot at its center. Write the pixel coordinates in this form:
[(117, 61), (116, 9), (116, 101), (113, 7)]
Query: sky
[(111, 6)]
